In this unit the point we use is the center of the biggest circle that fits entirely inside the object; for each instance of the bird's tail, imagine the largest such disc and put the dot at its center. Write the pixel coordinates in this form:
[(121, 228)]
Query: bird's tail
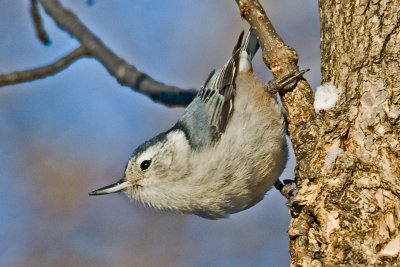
[(249, 44), (246, 51), (242, 54), (219, 89)]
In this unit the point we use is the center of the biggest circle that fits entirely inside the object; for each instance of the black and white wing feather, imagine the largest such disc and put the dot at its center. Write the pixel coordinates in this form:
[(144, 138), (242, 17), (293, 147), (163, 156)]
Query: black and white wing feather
[(218, 94), (218, 91), (206, 118)]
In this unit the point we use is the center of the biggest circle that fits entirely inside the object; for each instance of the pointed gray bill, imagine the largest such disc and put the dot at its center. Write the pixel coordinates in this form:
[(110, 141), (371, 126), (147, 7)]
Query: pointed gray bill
[(112, 188)]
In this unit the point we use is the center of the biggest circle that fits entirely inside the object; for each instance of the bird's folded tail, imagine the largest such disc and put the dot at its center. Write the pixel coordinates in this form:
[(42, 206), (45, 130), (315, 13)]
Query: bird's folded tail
[(246, 51), (250, 44), (219, 89), (242, 54)]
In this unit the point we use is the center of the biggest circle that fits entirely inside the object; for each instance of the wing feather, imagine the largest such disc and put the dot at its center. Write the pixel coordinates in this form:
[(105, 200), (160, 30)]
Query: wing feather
[(218, 91), (207, 116)]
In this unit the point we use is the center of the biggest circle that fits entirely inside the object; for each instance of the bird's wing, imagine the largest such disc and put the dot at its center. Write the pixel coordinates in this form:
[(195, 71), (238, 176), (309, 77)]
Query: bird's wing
[(206, 118), (218, 94), (218, 91)]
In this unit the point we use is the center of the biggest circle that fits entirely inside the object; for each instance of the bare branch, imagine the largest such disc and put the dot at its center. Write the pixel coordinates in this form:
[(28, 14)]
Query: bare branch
[(37, 22), (42, 72), (282, 59), (125, 73)]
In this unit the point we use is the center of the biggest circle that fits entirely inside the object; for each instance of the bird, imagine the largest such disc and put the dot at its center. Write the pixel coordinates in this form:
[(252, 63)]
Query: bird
[(224, 153)]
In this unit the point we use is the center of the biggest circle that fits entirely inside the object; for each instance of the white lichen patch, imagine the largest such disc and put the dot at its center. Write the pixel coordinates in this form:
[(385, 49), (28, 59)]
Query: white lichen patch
[(332, 154), (392, 248), (332, 222), (325, 97)]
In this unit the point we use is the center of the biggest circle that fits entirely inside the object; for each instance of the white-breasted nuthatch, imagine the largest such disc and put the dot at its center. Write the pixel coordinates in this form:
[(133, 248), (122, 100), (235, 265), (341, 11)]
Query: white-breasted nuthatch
[(223, 154)]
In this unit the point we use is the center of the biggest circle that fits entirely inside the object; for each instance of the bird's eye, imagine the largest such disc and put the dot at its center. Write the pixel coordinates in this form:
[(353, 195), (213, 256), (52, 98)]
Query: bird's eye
[(145, 164)]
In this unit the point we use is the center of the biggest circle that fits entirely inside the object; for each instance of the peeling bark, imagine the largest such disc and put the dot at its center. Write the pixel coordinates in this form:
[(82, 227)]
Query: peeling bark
[(350, 201)]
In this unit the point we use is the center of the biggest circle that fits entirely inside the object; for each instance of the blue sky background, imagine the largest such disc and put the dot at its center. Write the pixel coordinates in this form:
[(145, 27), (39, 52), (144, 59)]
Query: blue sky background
[(66, 135)]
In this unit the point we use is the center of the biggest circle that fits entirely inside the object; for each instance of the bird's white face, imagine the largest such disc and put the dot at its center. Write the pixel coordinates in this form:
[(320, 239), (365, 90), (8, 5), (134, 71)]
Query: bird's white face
[(155, 164)]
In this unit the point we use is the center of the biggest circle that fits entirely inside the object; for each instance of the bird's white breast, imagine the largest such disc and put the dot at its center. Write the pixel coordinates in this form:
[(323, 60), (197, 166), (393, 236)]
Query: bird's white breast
[(250, 155)]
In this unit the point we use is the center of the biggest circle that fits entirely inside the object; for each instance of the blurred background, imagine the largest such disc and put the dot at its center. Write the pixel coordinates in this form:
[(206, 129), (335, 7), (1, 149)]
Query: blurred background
[(66, 135)]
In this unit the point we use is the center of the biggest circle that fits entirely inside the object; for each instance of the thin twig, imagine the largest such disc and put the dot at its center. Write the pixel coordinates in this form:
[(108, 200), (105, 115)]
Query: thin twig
[(125, 73), (37, 22), (44, 71)]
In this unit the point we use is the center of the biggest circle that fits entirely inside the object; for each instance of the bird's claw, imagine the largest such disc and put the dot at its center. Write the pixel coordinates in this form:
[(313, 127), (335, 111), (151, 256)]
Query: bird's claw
[(287, 188), (286, 82)]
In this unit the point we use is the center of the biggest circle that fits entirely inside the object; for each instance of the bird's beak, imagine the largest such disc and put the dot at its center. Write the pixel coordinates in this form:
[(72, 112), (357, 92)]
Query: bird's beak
[(112, 188)]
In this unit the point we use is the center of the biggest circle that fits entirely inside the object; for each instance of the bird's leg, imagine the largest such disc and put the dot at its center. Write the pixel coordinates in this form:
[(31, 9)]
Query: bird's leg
[(287, 188), (285, 83)]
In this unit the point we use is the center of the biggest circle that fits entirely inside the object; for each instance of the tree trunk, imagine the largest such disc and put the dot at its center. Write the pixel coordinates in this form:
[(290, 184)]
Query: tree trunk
[(349, 199)]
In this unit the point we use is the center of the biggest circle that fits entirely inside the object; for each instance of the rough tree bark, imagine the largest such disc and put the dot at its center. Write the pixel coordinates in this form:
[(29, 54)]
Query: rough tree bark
[(347, 210), (351, 204)]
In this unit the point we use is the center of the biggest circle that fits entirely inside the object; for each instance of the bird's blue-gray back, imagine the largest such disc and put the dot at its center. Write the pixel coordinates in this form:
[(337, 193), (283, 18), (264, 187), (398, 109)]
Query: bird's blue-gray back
[(206, 118), (195, 124)]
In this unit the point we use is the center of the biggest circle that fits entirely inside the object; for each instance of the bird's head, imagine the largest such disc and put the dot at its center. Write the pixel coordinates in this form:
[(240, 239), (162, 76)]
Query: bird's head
[(153, 168)]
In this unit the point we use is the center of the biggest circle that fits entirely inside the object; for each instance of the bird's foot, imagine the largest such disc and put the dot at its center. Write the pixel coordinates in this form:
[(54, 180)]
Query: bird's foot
[(285, 83), (287, 188)]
